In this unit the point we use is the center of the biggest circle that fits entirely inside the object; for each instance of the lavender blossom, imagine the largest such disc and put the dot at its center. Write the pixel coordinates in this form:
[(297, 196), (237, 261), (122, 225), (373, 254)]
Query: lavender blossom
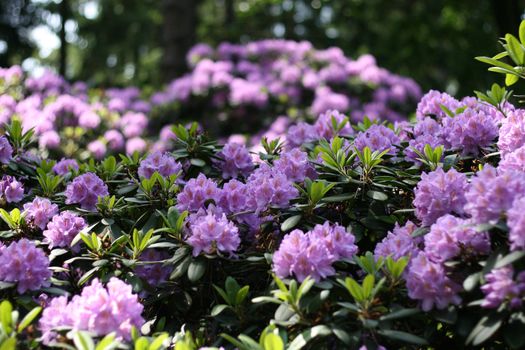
[(165, 164), (6, 151), (501, 287), (11, 189), (26, 265), (235, 161), (40, 211), (428, 282), (63, 228), (439, 193), (85, 190)]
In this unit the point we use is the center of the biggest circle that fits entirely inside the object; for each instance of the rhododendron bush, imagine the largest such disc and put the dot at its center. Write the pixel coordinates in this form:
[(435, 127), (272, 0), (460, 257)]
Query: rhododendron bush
[(328, 230)]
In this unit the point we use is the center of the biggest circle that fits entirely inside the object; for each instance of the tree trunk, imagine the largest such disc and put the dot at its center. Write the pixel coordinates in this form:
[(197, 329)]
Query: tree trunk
[(179, 35), (64, 15)]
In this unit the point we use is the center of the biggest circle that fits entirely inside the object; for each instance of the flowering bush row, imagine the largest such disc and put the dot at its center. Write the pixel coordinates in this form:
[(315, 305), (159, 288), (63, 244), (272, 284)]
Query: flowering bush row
[(225, 89), (334, 233)]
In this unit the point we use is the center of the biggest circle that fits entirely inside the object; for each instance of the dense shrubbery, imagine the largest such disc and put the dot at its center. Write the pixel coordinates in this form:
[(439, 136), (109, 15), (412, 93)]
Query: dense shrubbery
[(343, 233)]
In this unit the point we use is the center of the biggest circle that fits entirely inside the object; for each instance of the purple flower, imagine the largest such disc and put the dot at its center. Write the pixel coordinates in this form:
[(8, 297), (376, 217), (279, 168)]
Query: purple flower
[(6, 151), (419, 144), (40, 211), (97, 148), (313, 253), (491, 193), (377, 138), (335, 238), (26, 265), (516, 224), (153, 273), (56, 314), (65, 166), (513, 161), (213, 232), (136, 144), (427, 281), (164, 164), (270, 187), (470, 130), (49, 139), (11, 189), (431, 102), (89, 120), (500, 287), (439, 193), (324, 127), (114, 139), (398, 243), (235, 161), (98, 309), (85, 190), (295, 165), (63, 228), (196, 193), (233, 197), (512, 131), (300, 133), (450, 237), (297, 256)]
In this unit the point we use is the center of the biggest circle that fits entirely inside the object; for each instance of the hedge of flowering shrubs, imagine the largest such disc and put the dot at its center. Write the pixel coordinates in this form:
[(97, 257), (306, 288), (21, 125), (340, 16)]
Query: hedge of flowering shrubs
[(233, 90), (336, 234)]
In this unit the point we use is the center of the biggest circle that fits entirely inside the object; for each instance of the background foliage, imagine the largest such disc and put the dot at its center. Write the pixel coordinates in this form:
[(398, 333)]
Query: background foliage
[(121, 42)]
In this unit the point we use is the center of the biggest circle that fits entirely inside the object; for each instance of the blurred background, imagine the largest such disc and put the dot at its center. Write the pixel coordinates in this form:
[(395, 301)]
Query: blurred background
[(144, 42)]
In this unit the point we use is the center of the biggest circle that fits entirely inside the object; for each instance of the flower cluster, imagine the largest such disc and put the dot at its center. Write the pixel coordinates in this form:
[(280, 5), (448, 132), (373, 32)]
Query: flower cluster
[(98, 309), (11, 189), (63, 228), (196, 192), (439, 193), (398, 243), (211, 232), (164, 164), (40, 211), (492, 192), (24, 264), (427, 281), (6, 151), (85, 190), (313, 253), (235, 160)]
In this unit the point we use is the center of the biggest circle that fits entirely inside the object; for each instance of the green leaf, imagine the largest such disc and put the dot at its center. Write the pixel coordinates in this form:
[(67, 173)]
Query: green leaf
[(26, 321), (514, 335), (302, 339), (8, 344), (511, 79), (196, 270), (241, 295), (355, 289), (141, 343), (273, 342), (107, 343), (377, 195), (403, 336), (522, 32), (368, 286), (217, 309), (5, 316), (159, 340), (402, 313), (83, 341), (509, 259), (197, 162), (291, 222), (486, 327), (515, 49)]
